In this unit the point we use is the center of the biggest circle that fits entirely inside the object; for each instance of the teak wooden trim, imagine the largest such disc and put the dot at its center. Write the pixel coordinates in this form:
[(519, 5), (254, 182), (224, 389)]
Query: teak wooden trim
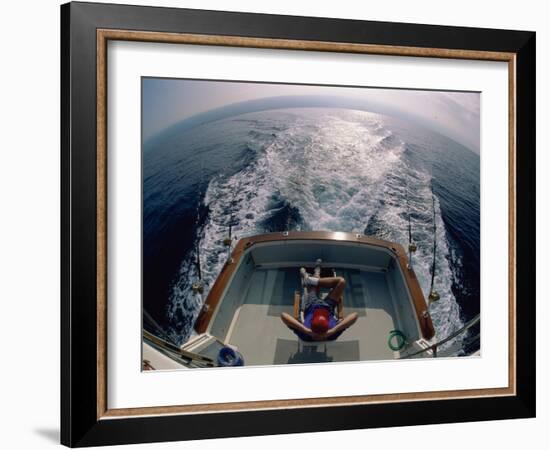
[(512, 198), (101, 223), (307, 402), (103, 35), (322, 46)]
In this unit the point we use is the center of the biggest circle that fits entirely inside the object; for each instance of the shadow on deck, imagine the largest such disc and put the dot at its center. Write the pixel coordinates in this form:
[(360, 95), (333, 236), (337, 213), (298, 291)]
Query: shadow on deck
[(263, 339)]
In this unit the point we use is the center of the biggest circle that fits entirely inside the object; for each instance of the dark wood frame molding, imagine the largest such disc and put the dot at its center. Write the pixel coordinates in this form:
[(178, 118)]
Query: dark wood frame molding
[(85, 416)]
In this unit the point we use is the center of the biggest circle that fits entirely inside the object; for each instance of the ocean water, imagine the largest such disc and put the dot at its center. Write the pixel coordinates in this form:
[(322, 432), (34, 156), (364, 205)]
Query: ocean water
[(307, 169)]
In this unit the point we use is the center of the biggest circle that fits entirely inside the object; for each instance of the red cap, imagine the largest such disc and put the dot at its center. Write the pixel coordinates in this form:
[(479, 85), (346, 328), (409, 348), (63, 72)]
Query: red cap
[(320, 321)]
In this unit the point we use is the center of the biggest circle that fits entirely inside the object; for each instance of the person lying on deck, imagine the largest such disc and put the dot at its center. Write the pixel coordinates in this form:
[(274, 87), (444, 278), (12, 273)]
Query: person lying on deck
[(320, 319)]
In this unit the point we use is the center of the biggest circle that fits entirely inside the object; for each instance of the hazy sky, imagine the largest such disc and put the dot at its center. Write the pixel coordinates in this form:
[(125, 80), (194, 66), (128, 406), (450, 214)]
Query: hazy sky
[(168, 101)]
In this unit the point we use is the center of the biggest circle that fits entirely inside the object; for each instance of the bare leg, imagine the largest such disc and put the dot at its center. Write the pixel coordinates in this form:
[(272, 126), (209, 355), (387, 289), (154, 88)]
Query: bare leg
[(330, 282), (338, 285), (340, 308)]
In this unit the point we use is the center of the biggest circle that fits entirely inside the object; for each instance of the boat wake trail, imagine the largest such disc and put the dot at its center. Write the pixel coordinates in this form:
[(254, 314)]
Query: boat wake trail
[(320, 169)]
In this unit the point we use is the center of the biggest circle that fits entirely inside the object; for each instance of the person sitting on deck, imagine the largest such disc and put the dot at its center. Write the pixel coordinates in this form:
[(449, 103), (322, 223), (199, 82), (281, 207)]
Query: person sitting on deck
[(320, 320)]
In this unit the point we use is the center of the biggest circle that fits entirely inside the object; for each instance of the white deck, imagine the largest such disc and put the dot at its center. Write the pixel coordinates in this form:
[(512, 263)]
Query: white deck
[(263, 339)]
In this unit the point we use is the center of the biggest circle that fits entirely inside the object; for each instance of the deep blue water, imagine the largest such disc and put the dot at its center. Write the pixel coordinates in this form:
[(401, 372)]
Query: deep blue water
[(309, 169)]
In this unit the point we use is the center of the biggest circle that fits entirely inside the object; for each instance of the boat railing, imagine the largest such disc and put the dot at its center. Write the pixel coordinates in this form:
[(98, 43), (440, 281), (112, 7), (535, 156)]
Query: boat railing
[(454, 348), (174, 352)]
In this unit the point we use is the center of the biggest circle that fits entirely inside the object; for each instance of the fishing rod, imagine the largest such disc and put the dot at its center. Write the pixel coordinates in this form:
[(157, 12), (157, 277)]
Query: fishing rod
[(412, 245), (198, 286), (288, 222), (434, 296), (229, 238)]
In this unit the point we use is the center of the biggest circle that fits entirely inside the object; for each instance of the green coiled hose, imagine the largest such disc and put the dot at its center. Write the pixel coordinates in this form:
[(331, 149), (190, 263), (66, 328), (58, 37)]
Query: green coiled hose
[(401, 340)]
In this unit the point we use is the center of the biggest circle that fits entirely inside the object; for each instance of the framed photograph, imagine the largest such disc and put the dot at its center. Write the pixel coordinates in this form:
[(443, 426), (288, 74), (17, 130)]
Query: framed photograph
[(277, 224)]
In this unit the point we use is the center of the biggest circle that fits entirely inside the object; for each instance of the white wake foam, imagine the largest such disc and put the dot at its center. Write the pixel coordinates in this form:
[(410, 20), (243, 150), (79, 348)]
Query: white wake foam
[(342, 170)]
